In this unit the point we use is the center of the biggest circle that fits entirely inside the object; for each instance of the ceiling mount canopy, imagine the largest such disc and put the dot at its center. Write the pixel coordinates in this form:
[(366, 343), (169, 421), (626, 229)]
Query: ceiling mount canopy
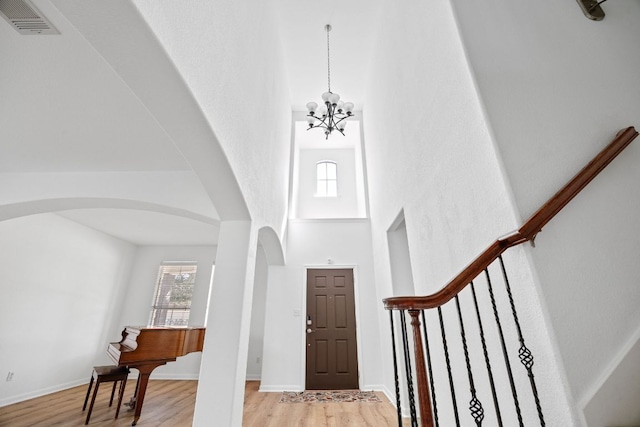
[(332, 116)]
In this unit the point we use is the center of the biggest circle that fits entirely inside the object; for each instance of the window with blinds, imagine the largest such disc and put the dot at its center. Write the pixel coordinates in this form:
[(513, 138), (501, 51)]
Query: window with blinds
[(171, 303)]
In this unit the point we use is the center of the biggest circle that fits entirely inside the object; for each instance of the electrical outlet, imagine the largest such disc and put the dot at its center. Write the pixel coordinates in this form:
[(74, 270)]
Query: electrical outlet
[(9, 376)]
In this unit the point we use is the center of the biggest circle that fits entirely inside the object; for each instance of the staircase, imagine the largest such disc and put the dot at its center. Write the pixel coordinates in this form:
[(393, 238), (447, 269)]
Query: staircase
[(458, 359)]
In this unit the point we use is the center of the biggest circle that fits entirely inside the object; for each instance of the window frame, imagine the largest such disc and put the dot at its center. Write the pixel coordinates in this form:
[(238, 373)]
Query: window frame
[(324, 188), (164, 312)]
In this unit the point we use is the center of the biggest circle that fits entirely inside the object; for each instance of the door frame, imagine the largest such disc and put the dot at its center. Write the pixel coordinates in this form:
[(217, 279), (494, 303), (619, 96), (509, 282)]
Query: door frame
[(303, 318)]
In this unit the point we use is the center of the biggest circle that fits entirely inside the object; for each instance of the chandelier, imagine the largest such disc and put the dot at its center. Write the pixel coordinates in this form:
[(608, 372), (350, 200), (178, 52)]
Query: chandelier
[(331, 116)]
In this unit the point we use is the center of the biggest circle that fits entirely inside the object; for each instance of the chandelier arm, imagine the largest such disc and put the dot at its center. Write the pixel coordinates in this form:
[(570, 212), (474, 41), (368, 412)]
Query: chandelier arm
[(596, 5), (321, 124), (318, 126), (320, 119)]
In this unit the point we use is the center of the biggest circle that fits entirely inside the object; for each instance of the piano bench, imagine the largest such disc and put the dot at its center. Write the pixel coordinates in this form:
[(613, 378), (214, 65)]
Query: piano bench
[(103, 374)]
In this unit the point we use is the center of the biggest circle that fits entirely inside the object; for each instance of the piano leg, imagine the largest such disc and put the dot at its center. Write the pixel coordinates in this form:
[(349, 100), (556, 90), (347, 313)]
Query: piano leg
[(132, 402), (141, 388)]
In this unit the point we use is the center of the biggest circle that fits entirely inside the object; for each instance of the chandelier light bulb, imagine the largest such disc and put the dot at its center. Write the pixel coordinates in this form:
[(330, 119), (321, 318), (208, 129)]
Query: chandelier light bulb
[(311, 119), (325, 96), (348, 107), (323, 111), (334, 98), (312, 107), (342, 125)]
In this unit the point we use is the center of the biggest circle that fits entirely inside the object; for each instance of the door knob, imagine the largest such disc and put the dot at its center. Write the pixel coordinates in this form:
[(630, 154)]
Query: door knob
[(309, 330)]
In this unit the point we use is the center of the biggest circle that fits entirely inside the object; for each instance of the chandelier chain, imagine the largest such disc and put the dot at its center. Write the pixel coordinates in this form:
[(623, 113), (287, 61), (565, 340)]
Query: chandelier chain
[(328, 61)]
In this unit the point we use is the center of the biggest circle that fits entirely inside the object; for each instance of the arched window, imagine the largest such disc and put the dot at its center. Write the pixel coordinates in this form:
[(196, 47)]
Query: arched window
[(326, 179)]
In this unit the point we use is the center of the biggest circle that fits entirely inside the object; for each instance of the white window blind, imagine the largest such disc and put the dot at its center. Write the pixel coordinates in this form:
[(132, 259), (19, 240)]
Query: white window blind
[(171, 303)]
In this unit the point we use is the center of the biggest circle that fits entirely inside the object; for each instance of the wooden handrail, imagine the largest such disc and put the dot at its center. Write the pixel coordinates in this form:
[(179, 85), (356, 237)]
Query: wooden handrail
[(526, 233)]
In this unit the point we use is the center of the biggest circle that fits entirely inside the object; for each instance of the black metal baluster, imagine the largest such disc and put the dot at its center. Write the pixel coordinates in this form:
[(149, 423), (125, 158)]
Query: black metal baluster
[(486, 358), (434, 403), (504, 349), (395, 369), (446, 355), (524, 353), (407, 366), (475, 406)]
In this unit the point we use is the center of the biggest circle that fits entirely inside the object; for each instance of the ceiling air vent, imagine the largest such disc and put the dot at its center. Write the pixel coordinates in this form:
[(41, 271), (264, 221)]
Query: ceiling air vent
[(25, 18)]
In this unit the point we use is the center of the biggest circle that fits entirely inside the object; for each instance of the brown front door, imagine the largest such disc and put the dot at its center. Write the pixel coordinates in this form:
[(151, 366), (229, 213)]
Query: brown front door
[(332, 361)]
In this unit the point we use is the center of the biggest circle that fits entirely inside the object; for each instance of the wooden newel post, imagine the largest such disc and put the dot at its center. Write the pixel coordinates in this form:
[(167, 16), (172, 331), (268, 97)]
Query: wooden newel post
[(424, 394)]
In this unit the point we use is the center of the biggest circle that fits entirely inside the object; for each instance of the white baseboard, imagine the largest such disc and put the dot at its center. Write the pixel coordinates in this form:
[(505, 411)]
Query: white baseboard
[(60, 387), (42, 392), (390, 396), (280, 388), (298, 388), (373, 387), (253, 377), (404, 410)]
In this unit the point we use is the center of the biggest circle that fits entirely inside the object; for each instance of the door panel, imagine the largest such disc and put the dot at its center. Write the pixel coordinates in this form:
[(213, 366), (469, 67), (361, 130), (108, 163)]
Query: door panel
[(332, 361)]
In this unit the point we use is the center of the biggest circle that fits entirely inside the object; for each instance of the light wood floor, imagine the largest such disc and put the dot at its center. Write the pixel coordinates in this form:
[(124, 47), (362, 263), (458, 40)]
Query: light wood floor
[(170, 404)]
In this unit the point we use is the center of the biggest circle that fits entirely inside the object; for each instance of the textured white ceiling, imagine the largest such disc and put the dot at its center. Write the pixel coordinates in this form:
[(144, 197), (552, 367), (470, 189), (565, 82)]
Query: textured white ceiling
[(305, 47), (71, 112), (74, 113)]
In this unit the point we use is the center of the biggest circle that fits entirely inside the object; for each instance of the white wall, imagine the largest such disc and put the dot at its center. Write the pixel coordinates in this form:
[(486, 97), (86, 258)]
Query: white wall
[(62, 285), (235, 39), (345, 205), (557, 87), (400, 259), (140, 290), (258, 308), (72, 291), (309, 245), (441, 168)]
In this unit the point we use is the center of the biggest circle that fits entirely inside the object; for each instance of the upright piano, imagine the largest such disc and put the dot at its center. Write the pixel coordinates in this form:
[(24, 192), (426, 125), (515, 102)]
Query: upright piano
[(146, 348)]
